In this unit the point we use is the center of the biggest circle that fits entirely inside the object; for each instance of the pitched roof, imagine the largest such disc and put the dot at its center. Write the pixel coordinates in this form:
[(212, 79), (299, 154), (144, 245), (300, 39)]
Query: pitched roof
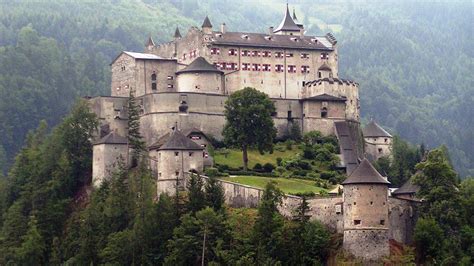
[(189, 131), (177, 34), (287, 24), (324, 67), (262, 40), (161, 140), (374, 130), (178, 141), (365, 173), (142, 56), (407, 188), (325, 97), (199, 65), (206, 23), (112, 138)]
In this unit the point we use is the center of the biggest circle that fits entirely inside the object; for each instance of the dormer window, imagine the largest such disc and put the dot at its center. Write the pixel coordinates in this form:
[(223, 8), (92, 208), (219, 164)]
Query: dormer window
[(245, 37), (294, 39), (269, 38), (314, 40)]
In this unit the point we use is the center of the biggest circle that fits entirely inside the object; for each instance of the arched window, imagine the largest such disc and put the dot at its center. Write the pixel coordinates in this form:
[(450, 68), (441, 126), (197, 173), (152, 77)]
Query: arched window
[(153, 82), (324, 112)]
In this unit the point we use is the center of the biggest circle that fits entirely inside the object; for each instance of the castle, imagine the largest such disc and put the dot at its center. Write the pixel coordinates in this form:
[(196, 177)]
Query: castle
[(181, 87)]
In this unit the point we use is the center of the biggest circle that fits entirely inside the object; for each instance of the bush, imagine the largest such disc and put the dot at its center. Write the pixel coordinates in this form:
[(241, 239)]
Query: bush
[(309, 152), (323, 155), (222, 167), (211, 172), (289, 144), (268, 167), (279, 160), (305, 194), (295, 132), (326, 175), (280, 148), (257, 166), (217, 144)]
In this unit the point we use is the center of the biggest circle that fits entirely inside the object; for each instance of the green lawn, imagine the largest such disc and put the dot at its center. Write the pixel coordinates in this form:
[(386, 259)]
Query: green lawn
[(234, 157), (289, 186)]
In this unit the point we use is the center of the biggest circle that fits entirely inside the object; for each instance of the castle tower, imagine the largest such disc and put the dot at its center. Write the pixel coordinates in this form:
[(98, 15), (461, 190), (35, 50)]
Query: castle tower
[(297, 22), (200, 76), (177, 156), (150, 44), (365, 210), (378, 142), (107, 152)]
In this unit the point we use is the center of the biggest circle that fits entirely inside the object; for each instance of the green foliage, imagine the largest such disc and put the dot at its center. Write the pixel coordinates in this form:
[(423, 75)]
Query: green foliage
[(249, 122), (214, 194), (295, 132), (196, 196), (427, 236), (134, 137)]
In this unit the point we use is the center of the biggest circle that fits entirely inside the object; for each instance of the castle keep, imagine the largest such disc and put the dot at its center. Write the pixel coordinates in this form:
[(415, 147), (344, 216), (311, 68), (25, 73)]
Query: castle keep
[(181, 88)]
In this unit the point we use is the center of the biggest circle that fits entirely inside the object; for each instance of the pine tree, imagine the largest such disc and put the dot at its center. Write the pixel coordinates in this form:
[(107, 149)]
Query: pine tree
[(214, 194), (134, 137), (32, 249), (196, 196)]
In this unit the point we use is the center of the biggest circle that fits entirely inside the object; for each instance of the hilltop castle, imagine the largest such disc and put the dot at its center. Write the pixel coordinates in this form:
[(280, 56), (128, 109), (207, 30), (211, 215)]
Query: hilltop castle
[(181, 87)]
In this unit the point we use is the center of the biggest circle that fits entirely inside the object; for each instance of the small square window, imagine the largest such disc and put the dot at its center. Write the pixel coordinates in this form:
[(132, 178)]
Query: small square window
[(190, 154), (382, 222), (356, 222), (176, 153)]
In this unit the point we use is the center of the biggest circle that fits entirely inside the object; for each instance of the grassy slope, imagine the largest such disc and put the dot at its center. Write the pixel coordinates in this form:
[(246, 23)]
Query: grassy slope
[(290, 186), (234, 157)]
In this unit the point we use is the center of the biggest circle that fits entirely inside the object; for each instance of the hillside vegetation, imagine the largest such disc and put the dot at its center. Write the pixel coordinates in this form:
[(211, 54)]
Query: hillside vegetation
[(413, 59)]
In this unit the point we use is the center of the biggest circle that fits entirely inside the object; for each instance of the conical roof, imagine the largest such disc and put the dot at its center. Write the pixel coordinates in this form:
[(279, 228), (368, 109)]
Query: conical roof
[(295, 19), (287, 24), (199, 65), (150, 41), (365, 173), (374, 130), (206, 23), (177, 34), (112, 138), (177, 141)]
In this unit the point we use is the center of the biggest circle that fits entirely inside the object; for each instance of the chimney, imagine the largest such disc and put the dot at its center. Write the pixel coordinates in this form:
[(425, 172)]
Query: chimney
[(223, 28), (270, 30)]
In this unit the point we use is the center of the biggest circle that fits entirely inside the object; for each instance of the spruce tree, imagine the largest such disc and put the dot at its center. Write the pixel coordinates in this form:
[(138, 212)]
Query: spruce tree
[(134, 137), (214, 194), (196, 196)]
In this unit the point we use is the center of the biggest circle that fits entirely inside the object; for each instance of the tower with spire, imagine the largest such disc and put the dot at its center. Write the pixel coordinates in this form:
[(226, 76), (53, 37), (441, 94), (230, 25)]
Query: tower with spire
[(288, 26)]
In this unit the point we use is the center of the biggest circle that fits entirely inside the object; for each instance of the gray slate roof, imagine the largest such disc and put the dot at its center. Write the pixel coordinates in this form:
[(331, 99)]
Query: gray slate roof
[(325, 97), (199, 65), (142, 56), (150, 42), (347, 146), (365, 173), (112, 138), (295, 19), (178, 141), (374, 130), (161, 140), (287, 24), (325, 67), (206, 23), (407, 188), (262, 40)]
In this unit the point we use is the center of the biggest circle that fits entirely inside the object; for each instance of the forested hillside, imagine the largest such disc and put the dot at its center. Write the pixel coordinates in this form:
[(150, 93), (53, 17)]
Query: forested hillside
[(413, 60)]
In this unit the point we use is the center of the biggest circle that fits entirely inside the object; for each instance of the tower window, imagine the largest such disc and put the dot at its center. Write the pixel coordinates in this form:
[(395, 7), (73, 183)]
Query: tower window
[(356, 222), (190, 154), (153, 81), (382, 222), (380, 150), (176, 153), (386, 140), (176, 173), (324, 112), (289, 115)]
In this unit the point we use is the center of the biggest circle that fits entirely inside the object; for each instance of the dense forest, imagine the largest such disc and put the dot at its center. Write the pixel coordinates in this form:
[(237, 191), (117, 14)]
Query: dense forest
[(413, 60)]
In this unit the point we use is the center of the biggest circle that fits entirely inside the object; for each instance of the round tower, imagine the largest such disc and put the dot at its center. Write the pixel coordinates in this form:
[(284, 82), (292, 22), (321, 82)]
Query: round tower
[(366, 213), (200, 76)]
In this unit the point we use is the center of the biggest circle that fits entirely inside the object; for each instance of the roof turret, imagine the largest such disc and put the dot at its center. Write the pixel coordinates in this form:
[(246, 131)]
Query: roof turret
[(365, 173), (177, 34), (295, 19), (287, 24), (199, 65), (150, 42), (374, 130)]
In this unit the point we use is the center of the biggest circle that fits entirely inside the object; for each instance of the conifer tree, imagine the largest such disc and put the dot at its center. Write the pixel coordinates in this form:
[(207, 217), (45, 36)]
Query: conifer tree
[(214, 194), (134, 137), (196, 196)]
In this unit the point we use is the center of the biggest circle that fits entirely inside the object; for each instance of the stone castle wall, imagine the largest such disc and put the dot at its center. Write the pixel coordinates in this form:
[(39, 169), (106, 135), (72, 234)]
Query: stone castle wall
[(200, 83), (106, 160), (378, 147)]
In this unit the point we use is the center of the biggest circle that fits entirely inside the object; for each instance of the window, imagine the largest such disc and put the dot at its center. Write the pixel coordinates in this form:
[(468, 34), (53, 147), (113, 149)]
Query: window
[(176, 173), (355, 203), (256, 67), (319, 74), (371, 203), (324, 112), (267, 67), (190, 153), (153, 81), (230, 66), (184, 56), (279, 68), (291, 69), (194, 137), (215, 51), (123, 68), (233, 52), (382, 222), (289, 55), (289, 115), (324, 56), (380, 150), (304, 69), (170, 77), (176, 153), (245, 66), (304, 55), (192, 54), (255, 53), (170, 86), (245, 53), (385, 140), (356, 222), (266, 54), (279, 54)]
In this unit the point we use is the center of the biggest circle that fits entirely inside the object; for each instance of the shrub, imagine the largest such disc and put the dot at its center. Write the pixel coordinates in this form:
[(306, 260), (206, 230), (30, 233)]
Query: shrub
[(211, 172), (222, 167), (279, 159), (257, 166), (309, 152), (268, 167), (280, 148), (326, 175), (295, 132), (289, 144), (305, 194), (279, 170), (323, 155), (217, 144), (312, 137)]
